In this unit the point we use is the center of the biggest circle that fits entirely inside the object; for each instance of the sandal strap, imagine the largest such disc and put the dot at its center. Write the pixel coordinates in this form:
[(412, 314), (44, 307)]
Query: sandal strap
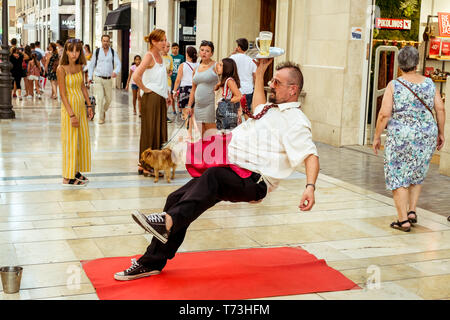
[(400, 224)]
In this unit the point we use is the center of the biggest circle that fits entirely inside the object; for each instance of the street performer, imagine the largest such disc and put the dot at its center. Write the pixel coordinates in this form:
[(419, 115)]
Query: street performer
[(267, 148)]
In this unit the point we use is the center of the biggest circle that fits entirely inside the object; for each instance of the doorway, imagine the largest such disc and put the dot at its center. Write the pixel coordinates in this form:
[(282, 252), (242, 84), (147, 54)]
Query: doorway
[(268, 23), (386, 39), (186, 28), (125, 40)]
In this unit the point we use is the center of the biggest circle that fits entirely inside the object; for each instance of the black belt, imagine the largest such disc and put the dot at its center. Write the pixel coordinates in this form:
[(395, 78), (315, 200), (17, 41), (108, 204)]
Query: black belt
[(257, 177), (104, 78)]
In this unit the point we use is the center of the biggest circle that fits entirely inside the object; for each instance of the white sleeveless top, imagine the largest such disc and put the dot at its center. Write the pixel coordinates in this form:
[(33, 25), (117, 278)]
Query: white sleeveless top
[(155, 79), (188, 71)]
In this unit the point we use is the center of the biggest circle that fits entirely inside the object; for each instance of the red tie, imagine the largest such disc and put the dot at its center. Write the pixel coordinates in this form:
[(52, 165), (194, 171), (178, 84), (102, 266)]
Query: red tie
[(259, 115)]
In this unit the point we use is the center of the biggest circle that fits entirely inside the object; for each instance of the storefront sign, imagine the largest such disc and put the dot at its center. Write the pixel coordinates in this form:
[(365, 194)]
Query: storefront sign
[(397, 24), (189, 38), (67, 21), (444, 24)]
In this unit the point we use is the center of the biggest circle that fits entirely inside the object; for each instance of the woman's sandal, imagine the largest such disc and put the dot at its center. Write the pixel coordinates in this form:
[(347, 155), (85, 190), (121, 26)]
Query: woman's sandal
[(80, 177), (412, 220), (74, 183), (399, 226)]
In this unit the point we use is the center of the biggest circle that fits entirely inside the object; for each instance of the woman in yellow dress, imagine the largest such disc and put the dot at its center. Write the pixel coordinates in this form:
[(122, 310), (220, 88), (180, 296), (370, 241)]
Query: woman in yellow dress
[(74, 121)]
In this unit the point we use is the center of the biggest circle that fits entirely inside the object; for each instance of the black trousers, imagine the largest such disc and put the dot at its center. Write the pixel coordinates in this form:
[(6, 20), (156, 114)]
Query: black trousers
[(190, 201)]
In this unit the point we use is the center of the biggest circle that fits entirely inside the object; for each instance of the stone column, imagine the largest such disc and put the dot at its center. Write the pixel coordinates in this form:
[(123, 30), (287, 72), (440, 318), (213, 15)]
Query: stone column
[(164, 17), (444, 166), (139, 27)]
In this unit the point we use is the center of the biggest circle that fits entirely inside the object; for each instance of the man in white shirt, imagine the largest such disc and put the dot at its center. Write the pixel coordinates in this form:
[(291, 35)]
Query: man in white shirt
[(246, 69), (263, 150), (103, 67)]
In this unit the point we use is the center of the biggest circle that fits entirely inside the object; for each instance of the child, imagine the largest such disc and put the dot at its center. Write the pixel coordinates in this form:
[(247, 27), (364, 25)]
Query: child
[(168, 62), (183, 82), (34, 73), (136, 96), (230, 84)]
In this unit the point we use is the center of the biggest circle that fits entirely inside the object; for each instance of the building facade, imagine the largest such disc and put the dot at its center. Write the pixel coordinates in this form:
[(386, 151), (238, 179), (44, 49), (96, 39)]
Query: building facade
[(45, 20), (333, 41)]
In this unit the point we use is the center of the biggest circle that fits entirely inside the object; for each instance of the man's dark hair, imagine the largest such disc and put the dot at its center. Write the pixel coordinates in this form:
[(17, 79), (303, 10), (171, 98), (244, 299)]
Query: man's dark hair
[(37, 44), (295, 74), (32, 46), (242, 43), (174, 45), (60, 42), (13, 41)]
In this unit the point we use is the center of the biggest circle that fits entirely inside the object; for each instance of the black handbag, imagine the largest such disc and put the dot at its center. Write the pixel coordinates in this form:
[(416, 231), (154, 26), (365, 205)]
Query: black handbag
[(227, 115)]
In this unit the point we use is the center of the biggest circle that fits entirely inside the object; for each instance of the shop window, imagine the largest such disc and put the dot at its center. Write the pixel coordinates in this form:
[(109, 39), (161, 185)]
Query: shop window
[(66, 2), (187, 33)]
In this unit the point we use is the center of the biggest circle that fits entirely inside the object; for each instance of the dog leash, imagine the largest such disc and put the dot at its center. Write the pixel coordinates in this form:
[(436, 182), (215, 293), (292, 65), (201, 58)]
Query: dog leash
[(174, 135)]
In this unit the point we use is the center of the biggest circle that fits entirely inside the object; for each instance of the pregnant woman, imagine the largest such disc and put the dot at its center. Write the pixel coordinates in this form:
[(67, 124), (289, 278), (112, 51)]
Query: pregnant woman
[(202, 93)]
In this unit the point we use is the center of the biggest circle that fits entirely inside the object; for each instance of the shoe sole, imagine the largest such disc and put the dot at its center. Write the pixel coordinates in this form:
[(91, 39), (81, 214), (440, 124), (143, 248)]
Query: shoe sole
[(138, 276), (140, 219), (73, 185)]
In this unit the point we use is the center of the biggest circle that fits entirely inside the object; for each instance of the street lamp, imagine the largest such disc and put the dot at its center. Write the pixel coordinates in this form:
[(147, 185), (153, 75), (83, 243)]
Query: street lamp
[(6, 111)]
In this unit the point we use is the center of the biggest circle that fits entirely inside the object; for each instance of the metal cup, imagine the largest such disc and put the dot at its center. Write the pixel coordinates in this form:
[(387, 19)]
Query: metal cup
[(11, 277)]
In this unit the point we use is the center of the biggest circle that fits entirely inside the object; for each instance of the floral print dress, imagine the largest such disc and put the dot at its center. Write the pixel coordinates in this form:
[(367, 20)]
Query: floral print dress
[(411, 135), (51, 75)]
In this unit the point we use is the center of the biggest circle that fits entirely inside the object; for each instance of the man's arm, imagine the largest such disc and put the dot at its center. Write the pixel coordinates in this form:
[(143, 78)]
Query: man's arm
[(91, 67), (312, 167), (259, 96), (117, 63)]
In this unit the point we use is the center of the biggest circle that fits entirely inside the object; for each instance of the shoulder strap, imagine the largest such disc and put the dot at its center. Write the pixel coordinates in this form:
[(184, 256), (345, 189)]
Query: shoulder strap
[(112, 51), (96, 56), (189, 65), (226, 88), (426, 106)]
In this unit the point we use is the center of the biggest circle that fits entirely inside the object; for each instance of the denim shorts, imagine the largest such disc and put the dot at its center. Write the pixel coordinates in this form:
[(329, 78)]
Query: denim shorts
[(134, 87)]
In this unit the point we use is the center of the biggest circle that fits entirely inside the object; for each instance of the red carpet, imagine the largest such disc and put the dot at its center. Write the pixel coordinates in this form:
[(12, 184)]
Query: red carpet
[(221, 275)]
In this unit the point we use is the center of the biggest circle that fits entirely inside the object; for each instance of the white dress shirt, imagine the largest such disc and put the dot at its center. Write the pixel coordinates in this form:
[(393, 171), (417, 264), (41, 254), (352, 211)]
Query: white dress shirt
[(104, 65), (274, 146)]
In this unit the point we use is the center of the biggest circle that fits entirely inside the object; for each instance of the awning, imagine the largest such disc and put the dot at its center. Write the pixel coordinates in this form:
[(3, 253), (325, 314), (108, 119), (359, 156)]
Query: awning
[(119, 18)]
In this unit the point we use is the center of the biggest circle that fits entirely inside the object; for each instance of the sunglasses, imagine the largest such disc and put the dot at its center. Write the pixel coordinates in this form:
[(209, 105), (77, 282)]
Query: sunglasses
[(73, 41), (206, 43), (277, 83)]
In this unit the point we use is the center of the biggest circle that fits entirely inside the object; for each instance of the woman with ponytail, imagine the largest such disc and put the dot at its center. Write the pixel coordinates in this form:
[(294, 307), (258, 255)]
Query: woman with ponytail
[(184, 77), (151, 78)]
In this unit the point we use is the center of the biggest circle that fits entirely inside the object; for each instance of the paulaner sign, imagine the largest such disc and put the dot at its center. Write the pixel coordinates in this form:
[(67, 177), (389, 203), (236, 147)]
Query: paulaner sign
[(397, 24)]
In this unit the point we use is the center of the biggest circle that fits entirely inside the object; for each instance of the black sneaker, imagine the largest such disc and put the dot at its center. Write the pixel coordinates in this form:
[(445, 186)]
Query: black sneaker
[(136, 271), (154, 224), (169, 120)]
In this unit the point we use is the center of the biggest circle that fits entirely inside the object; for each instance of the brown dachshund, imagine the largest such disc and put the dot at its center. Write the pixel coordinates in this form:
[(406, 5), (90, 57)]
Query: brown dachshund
[(158, 160)]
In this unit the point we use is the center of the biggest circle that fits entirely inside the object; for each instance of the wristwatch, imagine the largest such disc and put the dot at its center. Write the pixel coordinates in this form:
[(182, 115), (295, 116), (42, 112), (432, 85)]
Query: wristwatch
[(311, 184)]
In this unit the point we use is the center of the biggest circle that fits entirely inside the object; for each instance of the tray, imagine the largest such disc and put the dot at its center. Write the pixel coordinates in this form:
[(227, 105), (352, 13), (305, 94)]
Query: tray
[(274, 52)]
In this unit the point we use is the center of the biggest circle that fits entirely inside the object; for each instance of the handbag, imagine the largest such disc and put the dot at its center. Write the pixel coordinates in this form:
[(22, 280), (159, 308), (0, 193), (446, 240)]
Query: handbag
[(426, 106), (227, 112), (227, 115)]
